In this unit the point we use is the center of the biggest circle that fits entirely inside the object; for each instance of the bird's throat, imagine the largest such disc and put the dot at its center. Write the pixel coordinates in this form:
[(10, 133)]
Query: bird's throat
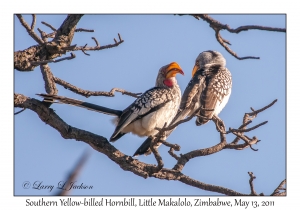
[(169, 82)]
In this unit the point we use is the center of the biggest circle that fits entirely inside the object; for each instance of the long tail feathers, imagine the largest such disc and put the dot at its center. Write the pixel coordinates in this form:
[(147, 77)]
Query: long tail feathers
[(144, 149), (74, 102)]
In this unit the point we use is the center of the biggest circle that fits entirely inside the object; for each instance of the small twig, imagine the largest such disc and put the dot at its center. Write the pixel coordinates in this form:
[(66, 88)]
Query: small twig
[(120, 38), (254, 113), (173, 147), (243, 146), (171, 152), (50, 26), (18, 112), (247, 119), (53, 60), (252, 177), (85, 52), (96, 41), (246, 130), (29, 30), (124, 92), (176, 147), (247, 140), (84, 49), (33, 21), (43, 35), (84, 30)]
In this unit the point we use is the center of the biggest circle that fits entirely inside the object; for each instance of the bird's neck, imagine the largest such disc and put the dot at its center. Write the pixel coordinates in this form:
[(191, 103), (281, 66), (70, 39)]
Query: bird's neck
[(170, 82)]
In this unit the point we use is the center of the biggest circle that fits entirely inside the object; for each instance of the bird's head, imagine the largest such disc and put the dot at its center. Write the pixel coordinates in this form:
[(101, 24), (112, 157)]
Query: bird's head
[(208, 58), (166, 75)]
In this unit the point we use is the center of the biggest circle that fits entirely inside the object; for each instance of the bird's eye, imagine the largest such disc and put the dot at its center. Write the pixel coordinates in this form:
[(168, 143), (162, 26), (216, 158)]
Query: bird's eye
[(197, 63)]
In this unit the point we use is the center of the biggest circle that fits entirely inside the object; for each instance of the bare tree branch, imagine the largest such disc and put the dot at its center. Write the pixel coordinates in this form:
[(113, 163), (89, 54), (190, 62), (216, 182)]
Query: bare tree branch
[(47, 50), (101, 144), (254, 113), (74, 173), (88, 93), (50, 86), (98, 47), (18, 112), (49, 25), (252, 177), (200, 152), (33, 22), (247, 119), (246, 130), (157, 156), (84, 30), (53, 60), (280, 187), (43, 35), (30, 29), (217, 27)]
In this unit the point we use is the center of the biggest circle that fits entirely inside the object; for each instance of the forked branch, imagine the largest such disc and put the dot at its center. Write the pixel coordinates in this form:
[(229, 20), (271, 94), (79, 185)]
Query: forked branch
[(217, 27)]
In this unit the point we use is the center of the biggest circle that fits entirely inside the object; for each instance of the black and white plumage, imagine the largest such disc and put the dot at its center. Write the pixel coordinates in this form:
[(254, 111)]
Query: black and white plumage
[(210, 88), (154, 108), (148, 112)]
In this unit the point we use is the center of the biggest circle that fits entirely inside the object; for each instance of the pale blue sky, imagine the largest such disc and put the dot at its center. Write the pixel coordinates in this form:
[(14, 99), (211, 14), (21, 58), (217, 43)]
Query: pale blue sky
[(151, 41)]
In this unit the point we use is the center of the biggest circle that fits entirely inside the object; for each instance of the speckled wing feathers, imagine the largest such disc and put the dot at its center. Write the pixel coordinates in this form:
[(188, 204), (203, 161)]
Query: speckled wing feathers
[(149, 102), (218, 85)]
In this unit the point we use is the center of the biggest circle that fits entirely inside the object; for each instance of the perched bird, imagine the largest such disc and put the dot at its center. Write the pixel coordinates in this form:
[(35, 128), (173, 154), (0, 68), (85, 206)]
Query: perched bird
[(209, 88), (148, 112), (154, 108)]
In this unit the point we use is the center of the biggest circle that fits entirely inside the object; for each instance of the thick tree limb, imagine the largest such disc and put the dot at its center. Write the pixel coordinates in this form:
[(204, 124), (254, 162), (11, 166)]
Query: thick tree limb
[(46, 51)]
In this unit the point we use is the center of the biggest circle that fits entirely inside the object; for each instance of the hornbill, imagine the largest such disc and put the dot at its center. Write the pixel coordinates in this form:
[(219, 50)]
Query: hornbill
[(147, 113), (207, 93)]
